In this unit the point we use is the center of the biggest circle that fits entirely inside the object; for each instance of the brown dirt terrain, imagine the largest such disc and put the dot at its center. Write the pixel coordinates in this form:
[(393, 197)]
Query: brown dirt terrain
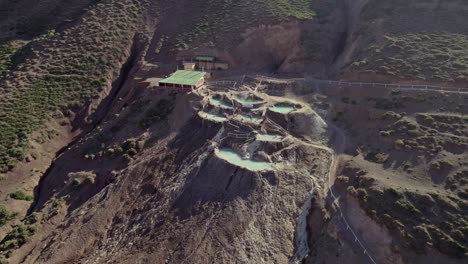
[(122, 172), (401, 144), (171, 184), (400, 41)]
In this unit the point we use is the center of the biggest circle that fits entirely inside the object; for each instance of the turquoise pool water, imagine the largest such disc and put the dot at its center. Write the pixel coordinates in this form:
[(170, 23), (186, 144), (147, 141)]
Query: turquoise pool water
[(212, 117), (248, 100), (269, 138), (219, 103), (233, 157), (252, 119), (283, 109)]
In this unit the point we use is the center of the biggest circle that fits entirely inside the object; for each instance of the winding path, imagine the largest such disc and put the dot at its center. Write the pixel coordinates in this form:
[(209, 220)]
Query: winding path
[(338, 147)]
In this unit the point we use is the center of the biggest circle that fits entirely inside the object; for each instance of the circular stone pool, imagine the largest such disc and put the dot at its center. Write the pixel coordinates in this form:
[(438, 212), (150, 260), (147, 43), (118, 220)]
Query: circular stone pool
[(234, 158), (283, 109), (212, 117)]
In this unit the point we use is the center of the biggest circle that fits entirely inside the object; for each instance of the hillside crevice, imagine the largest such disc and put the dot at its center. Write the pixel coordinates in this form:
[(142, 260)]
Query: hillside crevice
[(98, 116), (344, 46)]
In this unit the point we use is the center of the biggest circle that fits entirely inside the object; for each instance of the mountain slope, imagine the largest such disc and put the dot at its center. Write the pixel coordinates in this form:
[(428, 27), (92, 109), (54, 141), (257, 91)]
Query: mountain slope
[(418, 41), (121, 171)]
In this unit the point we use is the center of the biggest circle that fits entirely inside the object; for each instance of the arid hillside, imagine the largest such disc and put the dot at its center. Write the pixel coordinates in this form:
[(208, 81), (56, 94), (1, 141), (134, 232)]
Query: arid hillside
[(419, 41), (98, 165)]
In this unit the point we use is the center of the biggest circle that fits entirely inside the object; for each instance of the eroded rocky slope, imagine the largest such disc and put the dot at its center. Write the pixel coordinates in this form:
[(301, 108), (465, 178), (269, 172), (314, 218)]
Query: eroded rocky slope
[(180, 198), (123, 172)]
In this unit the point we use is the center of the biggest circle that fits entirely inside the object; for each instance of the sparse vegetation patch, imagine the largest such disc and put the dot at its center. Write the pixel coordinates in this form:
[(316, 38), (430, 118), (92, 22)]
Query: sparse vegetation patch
[(5, 215), (62, 71), (15, 239), (19, 195), (427, 57), (158, 112), (420, 220), (237, 15)]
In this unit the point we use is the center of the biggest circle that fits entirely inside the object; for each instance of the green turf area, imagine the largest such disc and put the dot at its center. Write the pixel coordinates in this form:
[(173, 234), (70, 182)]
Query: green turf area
[(184, 78)]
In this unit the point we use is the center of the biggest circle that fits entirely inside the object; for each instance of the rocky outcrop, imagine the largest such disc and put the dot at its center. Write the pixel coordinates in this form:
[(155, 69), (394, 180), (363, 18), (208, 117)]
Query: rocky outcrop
[(179, 203)]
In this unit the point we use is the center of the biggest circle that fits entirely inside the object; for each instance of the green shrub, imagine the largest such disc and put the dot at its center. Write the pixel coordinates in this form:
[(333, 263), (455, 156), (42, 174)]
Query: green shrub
[(129, 144), (414, 133), (397, 224), (342, 180), (391, 192), (387, 220), (377, 157), (442, 165), (385, 133), (362, 195), (421, 231), (407, 206), (90, 156), (31, 219), (127, 157), (90, 179), (399, 144), (5, 215), (110, 151), (16, 237), (390, 115), (19, 195), (352, 191), (76, 183), (132, 152), (82, 177), (446, 244), (56, 203)]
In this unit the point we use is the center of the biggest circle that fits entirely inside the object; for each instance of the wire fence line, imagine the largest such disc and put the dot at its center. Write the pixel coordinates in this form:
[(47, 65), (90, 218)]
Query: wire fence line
[(349, 228), (333, 170), (236, 135), (276, 126), (278, 79), (345, 84), (223, 83), (388, 86)]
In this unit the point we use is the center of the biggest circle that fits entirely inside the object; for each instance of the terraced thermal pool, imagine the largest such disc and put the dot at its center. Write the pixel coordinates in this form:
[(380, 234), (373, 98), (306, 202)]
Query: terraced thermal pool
[(220, 103), (249, 118), (282, 109), (248, 100), (269, 138), (234, 158), (212, 117)]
